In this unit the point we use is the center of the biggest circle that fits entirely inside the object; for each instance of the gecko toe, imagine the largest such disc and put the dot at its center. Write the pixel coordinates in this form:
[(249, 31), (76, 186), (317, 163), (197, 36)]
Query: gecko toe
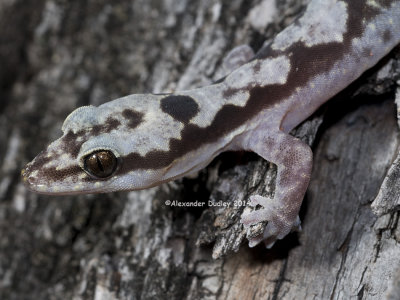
[(254, 217), (259, 200), (254, 241)]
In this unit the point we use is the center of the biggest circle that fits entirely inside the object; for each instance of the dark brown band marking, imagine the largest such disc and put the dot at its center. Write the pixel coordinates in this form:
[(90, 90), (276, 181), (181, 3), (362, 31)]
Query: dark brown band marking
[(59, 175), (228, 118), (110, 124), (387, 36), (134, 117), (181, 108), (70, 142), (385, 3)]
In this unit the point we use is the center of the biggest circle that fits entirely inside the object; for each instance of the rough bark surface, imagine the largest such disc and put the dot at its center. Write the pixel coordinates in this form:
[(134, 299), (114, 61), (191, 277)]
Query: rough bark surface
[(56, 55)]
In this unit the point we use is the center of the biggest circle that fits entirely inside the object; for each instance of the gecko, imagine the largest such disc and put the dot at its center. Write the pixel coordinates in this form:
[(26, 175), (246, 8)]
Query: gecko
[(142, 140)]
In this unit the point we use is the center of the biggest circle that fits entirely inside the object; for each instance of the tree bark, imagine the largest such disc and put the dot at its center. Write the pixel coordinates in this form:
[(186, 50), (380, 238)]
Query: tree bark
[(57, 55)]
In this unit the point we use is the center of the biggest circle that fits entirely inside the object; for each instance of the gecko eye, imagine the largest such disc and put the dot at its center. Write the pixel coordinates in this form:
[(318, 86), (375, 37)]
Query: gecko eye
[(100, 163)]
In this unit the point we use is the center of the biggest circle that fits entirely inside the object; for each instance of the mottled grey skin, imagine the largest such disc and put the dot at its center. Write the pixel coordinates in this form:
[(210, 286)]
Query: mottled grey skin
[(157, 138)]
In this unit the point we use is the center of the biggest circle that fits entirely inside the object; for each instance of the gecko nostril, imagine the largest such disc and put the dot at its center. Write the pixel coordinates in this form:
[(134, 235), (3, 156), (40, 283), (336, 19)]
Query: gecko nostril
[(100, 164)]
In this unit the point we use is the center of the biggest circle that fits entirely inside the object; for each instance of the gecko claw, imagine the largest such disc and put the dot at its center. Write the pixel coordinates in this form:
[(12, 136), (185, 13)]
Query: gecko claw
[(269, 245)]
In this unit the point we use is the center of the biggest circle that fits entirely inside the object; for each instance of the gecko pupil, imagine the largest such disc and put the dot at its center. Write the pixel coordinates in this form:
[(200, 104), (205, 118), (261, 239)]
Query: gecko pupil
[(100, 163)]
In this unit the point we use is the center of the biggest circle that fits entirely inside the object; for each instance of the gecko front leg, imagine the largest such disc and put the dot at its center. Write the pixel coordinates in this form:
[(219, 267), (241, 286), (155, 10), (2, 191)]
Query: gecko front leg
[(294, 161)]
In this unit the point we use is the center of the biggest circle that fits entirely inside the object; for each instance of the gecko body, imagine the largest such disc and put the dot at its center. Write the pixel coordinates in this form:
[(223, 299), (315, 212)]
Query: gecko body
[(143, 140)]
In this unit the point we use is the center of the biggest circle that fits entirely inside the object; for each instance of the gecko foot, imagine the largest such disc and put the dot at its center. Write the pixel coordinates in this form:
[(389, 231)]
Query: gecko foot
[(278, 225)]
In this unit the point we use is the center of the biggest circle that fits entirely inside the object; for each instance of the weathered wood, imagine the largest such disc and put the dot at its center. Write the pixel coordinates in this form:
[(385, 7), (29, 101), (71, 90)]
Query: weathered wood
[(57, 55)]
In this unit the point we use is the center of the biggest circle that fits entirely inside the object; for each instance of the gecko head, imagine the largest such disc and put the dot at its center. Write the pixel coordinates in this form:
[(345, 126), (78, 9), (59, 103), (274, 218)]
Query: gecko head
[(123, 146)]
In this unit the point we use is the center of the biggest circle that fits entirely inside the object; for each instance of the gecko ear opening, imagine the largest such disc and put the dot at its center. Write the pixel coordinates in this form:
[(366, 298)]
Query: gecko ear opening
[(100, 163)]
